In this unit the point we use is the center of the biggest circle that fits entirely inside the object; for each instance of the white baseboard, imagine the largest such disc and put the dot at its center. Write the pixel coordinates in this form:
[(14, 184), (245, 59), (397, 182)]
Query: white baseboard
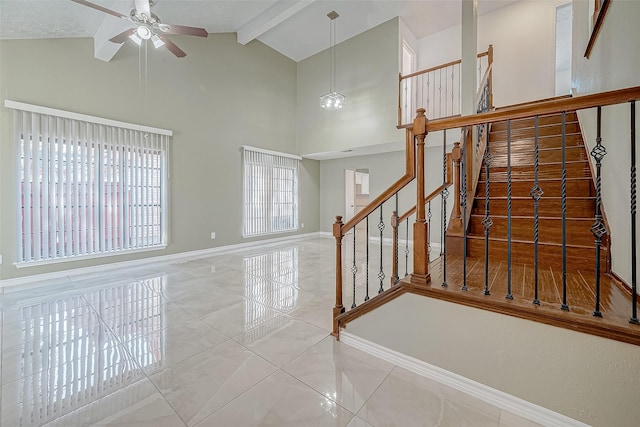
[(480, 391), (5, 283)]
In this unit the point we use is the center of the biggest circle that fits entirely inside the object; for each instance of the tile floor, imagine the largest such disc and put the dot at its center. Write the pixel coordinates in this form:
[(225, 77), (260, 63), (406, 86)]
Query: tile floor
[(237, 339)]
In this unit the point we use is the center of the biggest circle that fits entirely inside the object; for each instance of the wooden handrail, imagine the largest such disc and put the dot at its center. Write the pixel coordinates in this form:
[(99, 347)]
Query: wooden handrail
[(428, 70), (537, 109), (438, 67), (409, 176), (427, 199)]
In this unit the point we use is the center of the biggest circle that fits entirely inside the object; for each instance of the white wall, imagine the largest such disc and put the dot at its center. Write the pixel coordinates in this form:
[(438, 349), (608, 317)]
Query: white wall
[(582, 376), (367, 74), (523, 38), (613, 64)]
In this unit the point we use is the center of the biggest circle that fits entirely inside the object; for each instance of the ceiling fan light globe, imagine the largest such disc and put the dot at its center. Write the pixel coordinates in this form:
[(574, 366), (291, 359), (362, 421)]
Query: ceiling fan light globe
[(143, 32), (157, 41), (136, 39)]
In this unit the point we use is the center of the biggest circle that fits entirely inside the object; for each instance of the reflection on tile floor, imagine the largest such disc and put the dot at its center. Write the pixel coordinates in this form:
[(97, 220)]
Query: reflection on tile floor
[(236, 339)]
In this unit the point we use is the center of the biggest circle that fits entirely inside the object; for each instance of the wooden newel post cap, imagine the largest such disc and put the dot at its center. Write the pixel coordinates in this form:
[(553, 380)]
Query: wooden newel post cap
[(337, 227), (420, 123), (456, 152)]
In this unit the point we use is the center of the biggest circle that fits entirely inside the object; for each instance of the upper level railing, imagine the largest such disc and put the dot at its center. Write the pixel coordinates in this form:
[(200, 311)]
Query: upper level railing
[(437, 89)]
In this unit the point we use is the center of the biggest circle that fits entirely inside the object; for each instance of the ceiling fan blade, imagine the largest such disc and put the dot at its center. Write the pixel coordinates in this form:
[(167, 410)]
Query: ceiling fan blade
[(101, 9), (142, 6), (173, 48), (123, 36), (182, 29)]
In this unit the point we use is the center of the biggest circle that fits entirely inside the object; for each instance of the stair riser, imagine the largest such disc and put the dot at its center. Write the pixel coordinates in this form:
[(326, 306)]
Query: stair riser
[(546, 171), (530, 132), (528, 144), (576, 208), (549, 230), (526, 158), (548, 256), (575, 187), (529, 123)]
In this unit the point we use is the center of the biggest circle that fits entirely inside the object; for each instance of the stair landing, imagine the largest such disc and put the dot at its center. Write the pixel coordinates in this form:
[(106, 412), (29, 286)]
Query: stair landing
[(615, 303)]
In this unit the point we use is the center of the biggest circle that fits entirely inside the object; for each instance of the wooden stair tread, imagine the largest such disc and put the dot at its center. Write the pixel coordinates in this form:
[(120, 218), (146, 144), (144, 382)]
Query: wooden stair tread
[(502, 239)]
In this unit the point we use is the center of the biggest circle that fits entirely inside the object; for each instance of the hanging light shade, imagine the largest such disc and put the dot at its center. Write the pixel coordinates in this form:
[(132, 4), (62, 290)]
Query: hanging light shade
[(332, 100)]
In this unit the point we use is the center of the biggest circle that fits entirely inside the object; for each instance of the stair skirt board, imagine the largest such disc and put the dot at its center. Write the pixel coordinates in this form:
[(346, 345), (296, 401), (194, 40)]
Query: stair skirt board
[(487, 394)]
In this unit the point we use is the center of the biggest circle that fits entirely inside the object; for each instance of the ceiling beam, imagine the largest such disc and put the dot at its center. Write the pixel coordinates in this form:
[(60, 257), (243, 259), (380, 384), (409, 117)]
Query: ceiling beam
[(103, 49), (276, 14)]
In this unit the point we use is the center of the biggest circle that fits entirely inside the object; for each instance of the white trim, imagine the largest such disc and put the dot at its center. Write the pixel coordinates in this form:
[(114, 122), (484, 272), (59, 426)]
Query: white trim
[(273, 153), (495, 397), (82, 117), (26, 264), (162, 258)]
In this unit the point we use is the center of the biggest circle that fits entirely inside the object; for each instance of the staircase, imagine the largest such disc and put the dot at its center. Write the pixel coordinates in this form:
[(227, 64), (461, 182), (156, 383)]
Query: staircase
[(580, 206)]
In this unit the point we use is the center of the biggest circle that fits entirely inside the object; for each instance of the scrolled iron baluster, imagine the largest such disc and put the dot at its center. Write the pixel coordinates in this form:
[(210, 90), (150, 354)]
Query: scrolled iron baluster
[(487, 222), (445, 194), (366, 297), (509, 295), (354, 269), (634, 288), (463, 202), (536, 194), (429, 215), (396, 278), (564, 305), (406, 251), (598, 228), (381, 275)]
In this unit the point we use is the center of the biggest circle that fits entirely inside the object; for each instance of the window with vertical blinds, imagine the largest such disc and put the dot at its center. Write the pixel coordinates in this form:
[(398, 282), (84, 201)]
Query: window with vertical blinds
[(270, 192), (87, 188)]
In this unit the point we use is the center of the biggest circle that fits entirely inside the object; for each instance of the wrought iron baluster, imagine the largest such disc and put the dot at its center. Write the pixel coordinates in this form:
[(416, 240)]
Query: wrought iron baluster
[(463, 202), (445, 194), (440, 94), (453, 67), (354, 269), (429, 215), (381, 273), (366, 277), (536, 193), (509, 294), (598, 228), (634, 288), (396, 278), (564, 305), (406, 251), (487, 222)]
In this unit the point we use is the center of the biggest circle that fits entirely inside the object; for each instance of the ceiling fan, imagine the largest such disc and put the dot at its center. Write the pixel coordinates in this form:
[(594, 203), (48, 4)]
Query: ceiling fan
[(147, 26)]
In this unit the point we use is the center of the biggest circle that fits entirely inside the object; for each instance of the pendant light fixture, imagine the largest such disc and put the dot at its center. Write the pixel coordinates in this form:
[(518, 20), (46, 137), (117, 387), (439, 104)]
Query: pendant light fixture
[(332, 100)]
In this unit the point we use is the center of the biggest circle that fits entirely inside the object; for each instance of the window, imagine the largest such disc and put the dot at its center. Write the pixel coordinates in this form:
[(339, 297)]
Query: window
[(87, 188), (270, 192)]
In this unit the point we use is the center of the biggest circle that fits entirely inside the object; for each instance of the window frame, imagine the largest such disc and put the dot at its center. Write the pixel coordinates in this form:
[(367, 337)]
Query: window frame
[(96, 161)]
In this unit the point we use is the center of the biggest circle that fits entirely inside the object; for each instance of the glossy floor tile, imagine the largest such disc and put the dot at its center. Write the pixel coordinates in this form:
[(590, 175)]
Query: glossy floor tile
[(234, 339)]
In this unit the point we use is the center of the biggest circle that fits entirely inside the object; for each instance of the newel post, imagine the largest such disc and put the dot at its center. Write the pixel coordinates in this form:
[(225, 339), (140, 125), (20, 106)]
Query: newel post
[(456, 155), (339, 308), (420, 273)]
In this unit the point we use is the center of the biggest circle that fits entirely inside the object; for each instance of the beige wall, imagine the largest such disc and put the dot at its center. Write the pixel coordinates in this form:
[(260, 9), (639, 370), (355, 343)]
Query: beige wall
[(588, 378), (613, 64), (221, 96), (367, 74)]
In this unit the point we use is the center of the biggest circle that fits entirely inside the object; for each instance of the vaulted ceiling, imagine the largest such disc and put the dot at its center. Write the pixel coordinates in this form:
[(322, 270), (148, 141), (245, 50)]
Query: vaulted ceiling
[(295, 28)]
